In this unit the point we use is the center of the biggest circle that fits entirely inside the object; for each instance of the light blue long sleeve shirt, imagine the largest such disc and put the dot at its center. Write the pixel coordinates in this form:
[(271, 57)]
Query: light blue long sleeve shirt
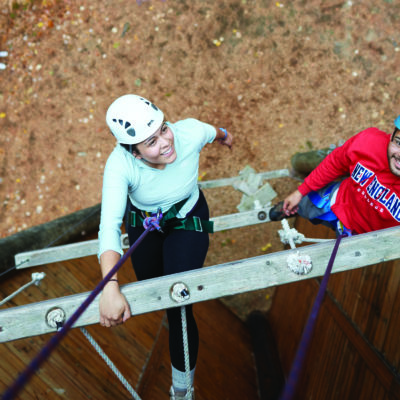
[(150, 188)]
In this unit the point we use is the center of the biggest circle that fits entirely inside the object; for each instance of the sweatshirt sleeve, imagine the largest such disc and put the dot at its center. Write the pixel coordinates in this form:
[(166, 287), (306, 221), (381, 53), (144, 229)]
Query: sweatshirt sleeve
[(335, 165)]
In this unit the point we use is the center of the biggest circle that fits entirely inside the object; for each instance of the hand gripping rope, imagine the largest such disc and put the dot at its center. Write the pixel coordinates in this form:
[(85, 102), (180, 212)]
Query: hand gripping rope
[(13, 390)]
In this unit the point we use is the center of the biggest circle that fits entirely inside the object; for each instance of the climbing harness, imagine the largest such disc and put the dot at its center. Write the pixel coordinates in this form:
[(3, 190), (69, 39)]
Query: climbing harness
[(342, 230), (169, 220), (294, 375), (23, 378)]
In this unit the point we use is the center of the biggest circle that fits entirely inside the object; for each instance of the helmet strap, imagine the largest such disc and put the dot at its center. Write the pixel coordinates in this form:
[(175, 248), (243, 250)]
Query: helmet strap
[(394, 133)]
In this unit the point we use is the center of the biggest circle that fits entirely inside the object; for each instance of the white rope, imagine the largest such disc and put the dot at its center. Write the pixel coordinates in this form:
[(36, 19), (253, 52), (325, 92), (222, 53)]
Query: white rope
[(292, 236), (300, 264), (112, 366), (186, 352), (313, 240), (36, 278)]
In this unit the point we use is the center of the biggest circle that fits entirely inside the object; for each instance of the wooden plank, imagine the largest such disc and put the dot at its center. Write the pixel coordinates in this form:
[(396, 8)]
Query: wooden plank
[(369, 355), (211, 282), (60, 231), (391, 347), (87, 248)]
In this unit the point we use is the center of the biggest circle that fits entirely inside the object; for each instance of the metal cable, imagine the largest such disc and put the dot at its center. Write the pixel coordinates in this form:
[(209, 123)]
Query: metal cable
[(36, 278), (186, 352), (112, 366)]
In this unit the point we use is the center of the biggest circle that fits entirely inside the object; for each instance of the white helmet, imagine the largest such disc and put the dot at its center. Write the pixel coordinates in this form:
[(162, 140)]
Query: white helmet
[(133, 119)]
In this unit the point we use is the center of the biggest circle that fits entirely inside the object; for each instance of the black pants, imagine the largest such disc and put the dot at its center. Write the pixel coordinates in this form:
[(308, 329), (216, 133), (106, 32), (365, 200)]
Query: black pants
[(168, 253)]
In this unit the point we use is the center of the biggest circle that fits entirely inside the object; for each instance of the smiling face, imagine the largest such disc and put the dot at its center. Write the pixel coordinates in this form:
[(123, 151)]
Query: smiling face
[(393, 154), (158, 150)]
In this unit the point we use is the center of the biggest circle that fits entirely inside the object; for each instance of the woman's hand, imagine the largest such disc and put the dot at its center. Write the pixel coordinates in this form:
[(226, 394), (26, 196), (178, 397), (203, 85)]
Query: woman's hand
[(114, 308), (224, 137), (291, 203)]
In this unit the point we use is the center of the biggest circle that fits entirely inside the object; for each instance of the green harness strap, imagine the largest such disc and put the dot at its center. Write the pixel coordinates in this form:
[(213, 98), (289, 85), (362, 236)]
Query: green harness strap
[(170, 221), (192, 224)]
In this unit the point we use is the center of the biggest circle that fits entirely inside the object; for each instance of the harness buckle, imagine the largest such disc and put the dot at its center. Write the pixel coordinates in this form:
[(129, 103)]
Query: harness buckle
[(197, 224), (134, 219)]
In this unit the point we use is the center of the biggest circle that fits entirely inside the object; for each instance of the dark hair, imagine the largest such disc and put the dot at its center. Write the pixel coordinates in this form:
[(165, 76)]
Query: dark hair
[(394, 132), (131, 148)]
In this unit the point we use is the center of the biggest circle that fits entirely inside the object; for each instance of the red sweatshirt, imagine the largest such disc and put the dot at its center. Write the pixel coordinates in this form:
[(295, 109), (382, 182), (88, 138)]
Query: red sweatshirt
[(369, 198)]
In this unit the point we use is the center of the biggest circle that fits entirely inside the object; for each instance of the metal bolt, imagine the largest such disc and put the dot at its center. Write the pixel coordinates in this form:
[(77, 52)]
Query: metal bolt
[(262, 215), (179, 292)]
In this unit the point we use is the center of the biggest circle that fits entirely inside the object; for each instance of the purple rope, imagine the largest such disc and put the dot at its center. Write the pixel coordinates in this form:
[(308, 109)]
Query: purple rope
[(294, 375), (24, 377)]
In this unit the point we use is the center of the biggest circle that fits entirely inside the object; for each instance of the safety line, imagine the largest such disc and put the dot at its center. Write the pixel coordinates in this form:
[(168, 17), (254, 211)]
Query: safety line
[(110, 364), (36, 278), (24, 377), (294, 375), (188, 395)]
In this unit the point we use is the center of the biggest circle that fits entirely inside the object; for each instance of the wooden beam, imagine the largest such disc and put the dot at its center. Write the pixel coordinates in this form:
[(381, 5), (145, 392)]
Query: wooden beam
[(90, 247), (70, 227), (211, 282), (279, 173), (60, 231)]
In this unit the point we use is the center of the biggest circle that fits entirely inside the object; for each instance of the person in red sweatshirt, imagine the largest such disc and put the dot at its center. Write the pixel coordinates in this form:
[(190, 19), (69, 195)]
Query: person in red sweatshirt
[(355, 189)]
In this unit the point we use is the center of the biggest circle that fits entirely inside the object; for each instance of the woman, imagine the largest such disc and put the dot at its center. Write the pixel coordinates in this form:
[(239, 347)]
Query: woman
[(155, 165)]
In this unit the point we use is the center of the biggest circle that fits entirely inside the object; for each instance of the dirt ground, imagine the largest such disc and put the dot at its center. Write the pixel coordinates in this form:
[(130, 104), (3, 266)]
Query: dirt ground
[(283, 77)]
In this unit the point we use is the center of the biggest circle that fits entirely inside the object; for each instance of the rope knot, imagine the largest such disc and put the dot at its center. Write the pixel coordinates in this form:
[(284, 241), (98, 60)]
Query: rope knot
[(153, 222)]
